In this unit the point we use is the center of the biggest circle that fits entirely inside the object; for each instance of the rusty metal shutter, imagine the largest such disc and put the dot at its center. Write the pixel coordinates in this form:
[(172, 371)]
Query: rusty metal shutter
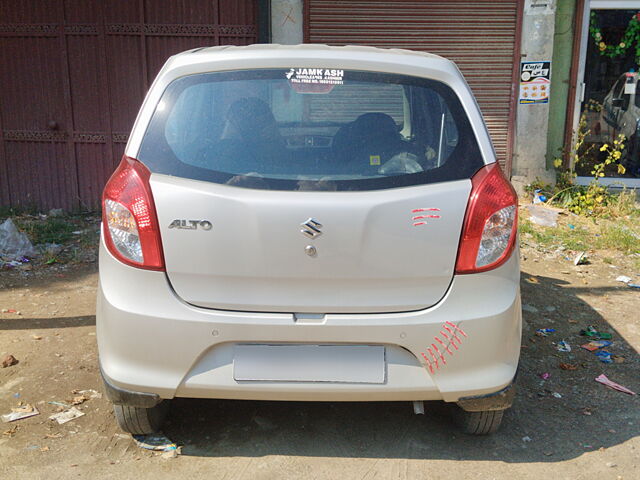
[(73, 76), (481, 36)]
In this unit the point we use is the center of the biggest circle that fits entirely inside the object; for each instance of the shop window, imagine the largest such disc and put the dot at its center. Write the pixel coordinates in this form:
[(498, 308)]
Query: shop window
[(612, 96)]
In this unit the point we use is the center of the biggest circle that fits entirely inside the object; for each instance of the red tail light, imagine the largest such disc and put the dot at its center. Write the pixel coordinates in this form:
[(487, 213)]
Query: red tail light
[(129, 220), (490, 223)]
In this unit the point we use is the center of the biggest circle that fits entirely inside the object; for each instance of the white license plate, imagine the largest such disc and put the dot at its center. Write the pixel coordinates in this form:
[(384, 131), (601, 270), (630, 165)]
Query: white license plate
[(309, 363)]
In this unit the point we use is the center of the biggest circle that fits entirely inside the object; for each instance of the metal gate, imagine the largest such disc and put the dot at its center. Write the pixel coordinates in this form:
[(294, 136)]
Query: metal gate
[(73, 74), (481, 36)]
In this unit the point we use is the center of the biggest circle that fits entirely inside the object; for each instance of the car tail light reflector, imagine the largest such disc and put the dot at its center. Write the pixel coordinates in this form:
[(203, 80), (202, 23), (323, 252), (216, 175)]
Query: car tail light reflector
[(490, 223), (130, 224)]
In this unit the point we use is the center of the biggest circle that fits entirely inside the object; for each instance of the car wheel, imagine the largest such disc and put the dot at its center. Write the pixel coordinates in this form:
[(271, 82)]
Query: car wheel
[(141, 421), (478, 423)]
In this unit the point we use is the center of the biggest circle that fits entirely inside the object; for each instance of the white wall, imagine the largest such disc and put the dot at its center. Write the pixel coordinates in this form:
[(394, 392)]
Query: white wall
[(532, 122), (286, 22)]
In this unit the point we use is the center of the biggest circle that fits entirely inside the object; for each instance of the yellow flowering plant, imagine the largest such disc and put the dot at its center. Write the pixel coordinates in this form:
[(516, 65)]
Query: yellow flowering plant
[(592, 199), (614, 154)]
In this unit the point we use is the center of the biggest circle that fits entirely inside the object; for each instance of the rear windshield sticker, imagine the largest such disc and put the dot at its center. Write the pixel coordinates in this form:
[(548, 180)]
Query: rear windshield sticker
[(323, 76), (374, 159)]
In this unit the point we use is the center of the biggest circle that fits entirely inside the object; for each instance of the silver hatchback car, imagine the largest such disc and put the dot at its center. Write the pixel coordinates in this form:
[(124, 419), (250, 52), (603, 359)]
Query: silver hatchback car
[(309, 223)]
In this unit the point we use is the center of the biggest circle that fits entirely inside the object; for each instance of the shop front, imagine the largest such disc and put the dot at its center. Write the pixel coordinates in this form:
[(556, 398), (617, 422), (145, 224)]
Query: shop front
[(608, 94)]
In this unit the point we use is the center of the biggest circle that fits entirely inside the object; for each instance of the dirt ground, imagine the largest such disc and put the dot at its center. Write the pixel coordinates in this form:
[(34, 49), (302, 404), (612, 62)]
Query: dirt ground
[(565, 427)]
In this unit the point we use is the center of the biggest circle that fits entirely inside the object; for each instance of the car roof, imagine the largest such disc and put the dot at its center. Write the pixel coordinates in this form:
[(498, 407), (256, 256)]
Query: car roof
[(306, 55), (260, 48)]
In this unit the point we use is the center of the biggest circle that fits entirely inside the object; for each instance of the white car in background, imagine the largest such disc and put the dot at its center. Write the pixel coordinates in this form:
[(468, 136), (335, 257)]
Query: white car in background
[(621, 115), (309, 223)]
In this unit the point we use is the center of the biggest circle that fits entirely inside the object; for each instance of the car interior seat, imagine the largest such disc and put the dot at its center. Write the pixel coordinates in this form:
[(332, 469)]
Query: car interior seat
[(367, 143)]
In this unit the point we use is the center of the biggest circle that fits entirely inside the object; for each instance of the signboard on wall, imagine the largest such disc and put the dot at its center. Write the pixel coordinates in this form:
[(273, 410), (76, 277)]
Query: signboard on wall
[(535, 82)]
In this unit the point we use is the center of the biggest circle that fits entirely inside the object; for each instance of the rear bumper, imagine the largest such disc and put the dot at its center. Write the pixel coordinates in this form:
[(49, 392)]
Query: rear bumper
[(151, 342), (123, 396)]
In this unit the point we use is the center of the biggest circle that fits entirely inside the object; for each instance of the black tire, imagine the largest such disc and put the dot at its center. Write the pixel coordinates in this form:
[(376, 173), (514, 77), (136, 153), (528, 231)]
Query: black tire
[(478, 423), (141, 421)]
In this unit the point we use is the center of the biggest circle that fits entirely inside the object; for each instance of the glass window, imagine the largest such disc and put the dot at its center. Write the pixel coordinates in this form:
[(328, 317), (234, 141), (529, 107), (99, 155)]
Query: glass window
[(611, 104), (310, 129)]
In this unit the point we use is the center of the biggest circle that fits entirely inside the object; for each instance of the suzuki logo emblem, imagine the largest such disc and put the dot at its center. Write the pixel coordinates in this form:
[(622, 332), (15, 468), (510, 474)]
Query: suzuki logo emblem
[(311, 228)]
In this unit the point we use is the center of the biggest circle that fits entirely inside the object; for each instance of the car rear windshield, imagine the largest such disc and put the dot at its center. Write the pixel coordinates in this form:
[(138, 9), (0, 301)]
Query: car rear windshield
[(310, 129)]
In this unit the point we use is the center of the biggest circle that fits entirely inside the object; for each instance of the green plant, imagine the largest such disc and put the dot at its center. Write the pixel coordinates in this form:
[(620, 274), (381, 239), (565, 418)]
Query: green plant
[(631, 36), (566, 192), (623, 204), (50, 259), (614, 154), (593, 199), (6, 212), (593, 105), (52, 230), (619, 237)]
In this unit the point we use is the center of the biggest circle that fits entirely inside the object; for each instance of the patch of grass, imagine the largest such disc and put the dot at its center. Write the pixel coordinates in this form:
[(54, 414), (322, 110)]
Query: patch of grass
[(577, 238), (542, 235), (51, 230), (621, 204), (618, 237), (8, 212), (577, 233)]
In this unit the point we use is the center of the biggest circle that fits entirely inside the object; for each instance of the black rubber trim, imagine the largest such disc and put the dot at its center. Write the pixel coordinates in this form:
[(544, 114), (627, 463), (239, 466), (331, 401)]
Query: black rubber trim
[(122, 396), (500, 400)]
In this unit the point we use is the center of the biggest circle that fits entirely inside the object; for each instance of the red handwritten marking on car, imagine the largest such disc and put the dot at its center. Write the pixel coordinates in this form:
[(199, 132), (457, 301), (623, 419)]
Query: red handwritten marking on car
[(416, 218), (457, 328), (450, 339), (418, 210)]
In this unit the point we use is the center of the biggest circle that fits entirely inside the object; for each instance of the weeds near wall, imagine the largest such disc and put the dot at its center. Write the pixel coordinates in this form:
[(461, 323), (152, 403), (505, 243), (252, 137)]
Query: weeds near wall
[(594, 199)]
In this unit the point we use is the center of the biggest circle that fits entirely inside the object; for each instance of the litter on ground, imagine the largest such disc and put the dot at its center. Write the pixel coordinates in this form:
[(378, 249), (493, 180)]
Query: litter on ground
[(591, 332), (66, 416), (90, 393), (13, 243), (567, 366), (155, 441), (581, 259), (543, 216), (543, 332), (604, 356), (595, 345), (18, 413), (616, 386)]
